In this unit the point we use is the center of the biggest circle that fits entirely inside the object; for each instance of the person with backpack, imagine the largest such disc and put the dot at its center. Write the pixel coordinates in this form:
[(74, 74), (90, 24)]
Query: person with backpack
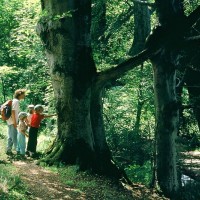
[(36, 119), (13, 121)]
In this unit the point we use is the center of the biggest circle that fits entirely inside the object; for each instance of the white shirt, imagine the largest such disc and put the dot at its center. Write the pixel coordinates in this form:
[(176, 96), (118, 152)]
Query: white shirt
[(29, 118), (15, 107)]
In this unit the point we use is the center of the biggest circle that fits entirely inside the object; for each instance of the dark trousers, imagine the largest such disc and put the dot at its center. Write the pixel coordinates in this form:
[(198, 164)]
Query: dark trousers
[(32, 139)]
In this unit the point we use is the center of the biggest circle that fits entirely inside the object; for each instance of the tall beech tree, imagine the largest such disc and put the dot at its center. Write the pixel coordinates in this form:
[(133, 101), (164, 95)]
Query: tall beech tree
[(65, 31), (176, 25), (165, 98), (81, 136)]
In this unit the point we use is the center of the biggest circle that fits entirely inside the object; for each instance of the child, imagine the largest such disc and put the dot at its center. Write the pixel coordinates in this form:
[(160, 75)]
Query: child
[(22, 127), (36, 119), (30, 113)]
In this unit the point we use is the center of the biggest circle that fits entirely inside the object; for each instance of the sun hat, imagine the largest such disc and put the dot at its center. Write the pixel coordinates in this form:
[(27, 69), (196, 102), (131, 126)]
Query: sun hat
[(38, 107), (22, 115), (31, 106)]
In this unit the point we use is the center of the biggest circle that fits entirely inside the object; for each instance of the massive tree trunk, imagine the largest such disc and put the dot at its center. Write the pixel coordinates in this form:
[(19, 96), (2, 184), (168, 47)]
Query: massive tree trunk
[(166, 123), (103, 163), (170, 12), (172, 19), (65, 31), (67, 43)]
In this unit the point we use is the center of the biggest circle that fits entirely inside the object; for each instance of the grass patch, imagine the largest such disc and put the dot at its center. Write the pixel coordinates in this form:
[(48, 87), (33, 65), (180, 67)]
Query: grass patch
[(45, 139), (140, 174), (11, 186)]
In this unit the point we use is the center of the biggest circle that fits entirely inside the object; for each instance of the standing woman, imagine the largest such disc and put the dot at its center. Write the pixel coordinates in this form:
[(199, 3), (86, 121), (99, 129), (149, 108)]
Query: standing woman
[(13, 121)]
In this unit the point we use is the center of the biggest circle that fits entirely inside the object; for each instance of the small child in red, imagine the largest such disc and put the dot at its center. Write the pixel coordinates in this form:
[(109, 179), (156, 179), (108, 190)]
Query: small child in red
[(36, 119)]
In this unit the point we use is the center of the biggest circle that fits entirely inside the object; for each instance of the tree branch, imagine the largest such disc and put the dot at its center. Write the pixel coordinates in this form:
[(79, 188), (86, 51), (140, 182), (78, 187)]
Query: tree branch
[(165, 36), (193, 38), (182, 81), (121, 69)]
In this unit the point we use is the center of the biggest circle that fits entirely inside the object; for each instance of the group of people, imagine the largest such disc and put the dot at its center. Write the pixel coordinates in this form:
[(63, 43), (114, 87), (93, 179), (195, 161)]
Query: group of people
[(22, 125)]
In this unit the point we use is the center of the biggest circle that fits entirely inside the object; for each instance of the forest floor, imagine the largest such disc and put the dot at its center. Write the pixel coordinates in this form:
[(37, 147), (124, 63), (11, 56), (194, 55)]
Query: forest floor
[(25, 180), (42, 183)]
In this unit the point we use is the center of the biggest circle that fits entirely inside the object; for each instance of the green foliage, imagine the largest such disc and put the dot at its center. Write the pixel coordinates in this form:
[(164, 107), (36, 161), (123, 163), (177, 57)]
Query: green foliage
[(37, 87), (7, 23), (26, 47), (27, 64), (47, 135), (5, 75), (2, 130), (114, 50), (129, 135), (140, 174), (189, 5), (129, 139), (11, 186)]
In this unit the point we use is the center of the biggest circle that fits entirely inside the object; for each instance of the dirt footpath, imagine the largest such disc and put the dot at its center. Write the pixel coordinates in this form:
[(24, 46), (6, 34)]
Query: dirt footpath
[(43, 184)]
